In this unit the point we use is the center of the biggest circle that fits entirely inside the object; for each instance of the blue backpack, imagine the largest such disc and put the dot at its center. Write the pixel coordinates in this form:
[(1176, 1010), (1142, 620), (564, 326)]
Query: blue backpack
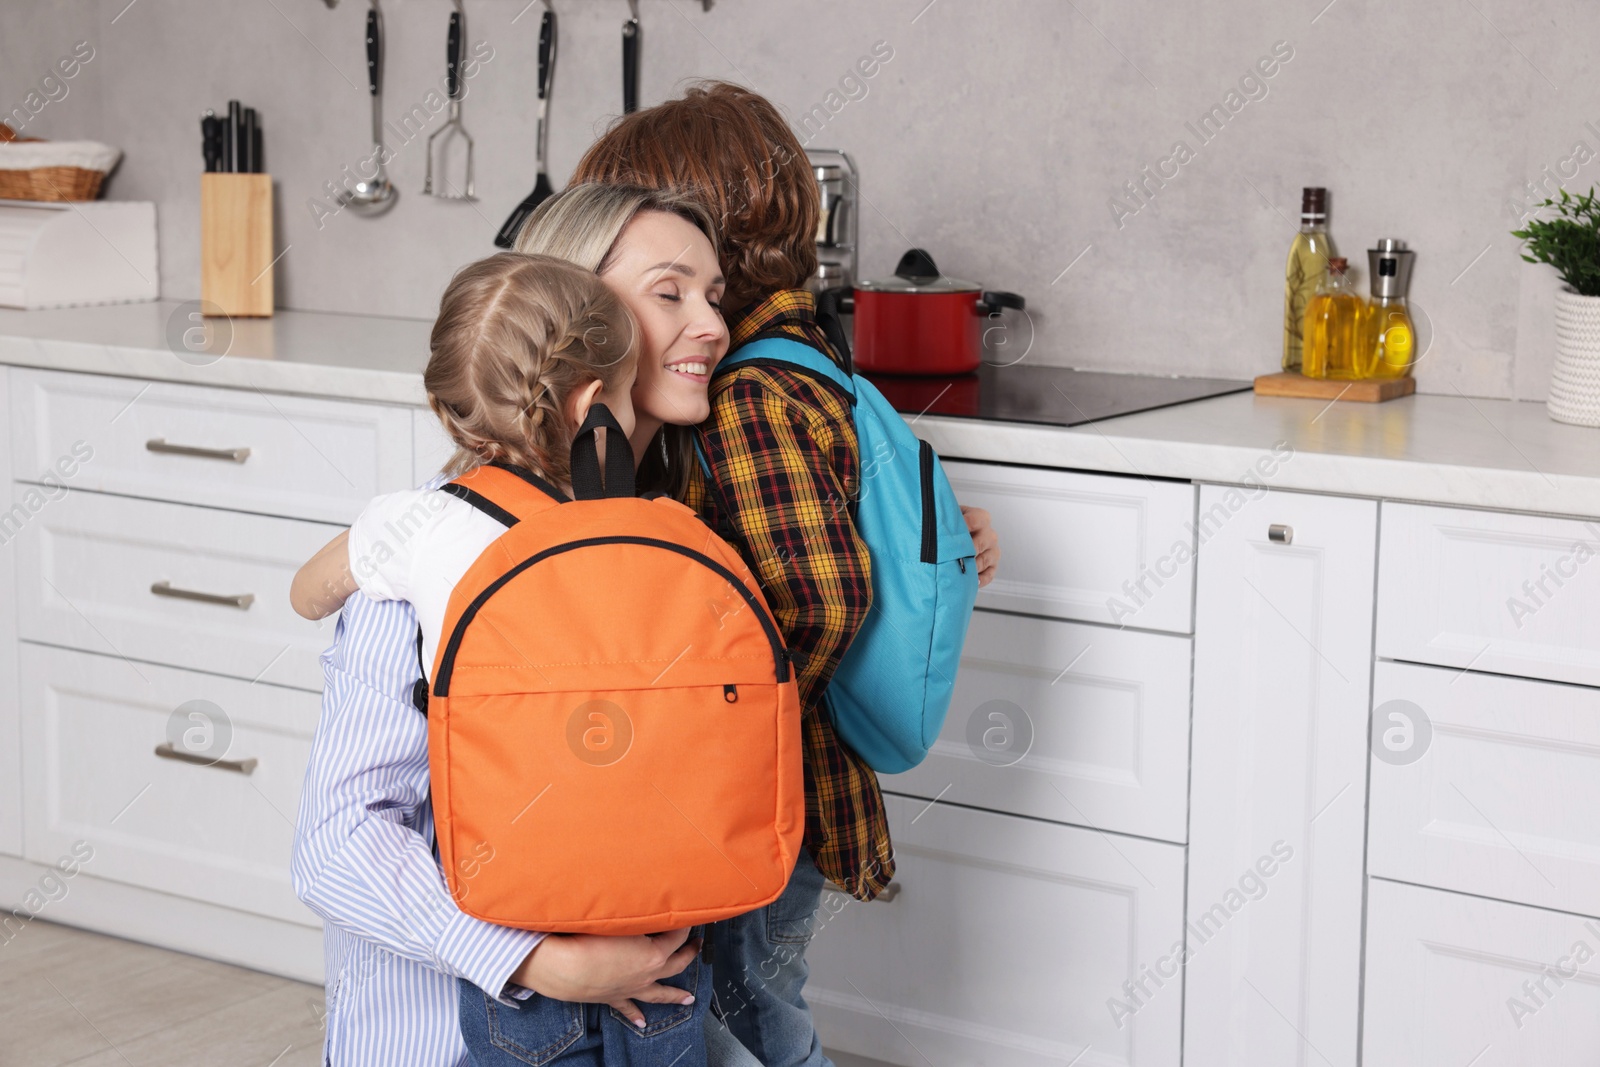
[(892, 689)]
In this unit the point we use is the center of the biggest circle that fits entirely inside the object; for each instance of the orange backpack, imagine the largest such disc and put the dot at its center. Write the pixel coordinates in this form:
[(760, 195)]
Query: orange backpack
[(613, 725)]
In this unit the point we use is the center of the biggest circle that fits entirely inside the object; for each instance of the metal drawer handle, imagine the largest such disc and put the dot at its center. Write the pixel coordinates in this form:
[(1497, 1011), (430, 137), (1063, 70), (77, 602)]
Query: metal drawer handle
[(241, 766), (232, 455), (890, 891), (1279, 534), (242, 601)]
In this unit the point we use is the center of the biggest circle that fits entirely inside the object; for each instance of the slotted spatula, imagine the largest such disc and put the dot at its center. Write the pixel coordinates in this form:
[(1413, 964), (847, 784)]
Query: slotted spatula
[(542, 190)]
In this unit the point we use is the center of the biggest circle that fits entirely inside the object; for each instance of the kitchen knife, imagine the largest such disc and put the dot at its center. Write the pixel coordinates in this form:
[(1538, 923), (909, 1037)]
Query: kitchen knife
[(230, 138), (211, 141), (247, 142)]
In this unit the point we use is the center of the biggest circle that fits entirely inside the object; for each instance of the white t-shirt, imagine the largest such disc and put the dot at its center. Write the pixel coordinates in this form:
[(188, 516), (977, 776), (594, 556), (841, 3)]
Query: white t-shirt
[(415, 546)]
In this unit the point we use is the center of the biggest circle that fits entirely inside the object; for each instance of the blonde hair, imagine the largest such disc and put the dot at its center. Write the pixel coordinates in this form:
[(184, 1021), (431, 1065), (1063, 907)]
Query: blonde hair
[(516, 335), (581, 225)]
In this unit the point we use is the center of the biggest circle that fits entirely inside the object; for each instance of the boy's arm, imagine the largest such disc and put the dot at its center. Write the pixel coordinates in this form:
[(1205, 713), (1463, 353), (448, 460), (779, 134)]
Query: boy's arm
[(773, 464), (324, 583)]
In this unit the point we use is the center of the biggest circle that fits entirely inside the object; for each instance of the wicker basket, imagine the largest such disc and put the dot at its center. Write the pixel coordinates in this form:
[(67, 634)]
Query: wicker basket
[(54, 170)]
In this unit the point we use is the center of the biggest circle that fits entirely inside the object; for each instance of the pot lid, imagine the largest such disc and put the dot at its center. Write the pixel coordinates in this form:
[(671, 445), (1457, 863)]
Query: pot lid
[(917, 273)]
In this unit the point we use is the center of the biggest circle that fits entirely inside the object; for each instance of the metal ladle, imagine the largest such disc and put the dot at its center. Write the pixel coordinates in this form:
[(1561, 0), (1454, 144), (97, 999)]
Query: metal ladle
[(375, 195)]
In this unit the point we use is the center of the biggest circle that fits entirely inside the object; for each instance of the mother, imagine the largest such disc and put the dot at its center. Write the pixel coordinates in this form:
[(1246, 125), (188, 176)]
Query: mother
[(363, 857), (394, 939)]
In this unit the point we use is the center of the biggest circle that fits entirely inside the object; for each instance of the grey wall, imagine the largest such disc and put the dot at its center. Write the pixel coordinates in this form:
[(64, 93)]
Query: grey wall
[(997, 136)]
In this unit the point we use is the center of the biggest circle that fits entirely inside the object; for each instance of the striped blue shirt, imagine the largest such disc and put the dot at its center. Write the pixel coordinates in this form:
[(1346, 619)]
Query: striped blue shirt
[(394, 939)]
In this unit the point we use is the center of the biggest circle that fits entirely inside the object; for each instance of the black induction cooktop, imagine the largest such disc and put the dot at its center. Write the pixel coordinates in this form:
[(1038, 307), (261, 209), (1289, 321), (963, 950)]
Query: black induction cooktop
[(1053, 396)]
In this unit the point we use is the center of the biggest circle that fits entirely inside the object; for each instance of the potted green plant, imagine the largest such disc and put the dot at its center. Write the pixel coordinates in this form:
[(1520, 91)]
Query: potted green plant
[(1569, 241)]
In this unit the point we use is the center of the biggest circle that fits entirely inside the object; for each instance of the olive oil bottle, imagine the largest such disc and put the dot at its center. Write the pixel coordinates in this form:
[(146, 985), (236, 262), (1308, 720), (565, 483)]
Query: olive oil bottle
[(1334, 341), (1308, 265), (1390, 337)]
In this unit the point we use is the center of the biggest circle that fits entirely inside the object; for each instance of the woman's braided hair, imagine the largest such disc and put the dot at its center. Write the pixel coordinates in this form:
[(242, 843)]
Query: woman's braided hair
[(516, 335)]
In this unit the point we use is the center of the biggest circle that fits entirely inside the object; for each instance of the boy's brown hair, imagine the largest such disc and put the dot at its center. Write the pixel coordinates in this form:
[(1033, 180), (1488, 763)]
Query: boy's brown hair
[(516, 335), (731, 149)]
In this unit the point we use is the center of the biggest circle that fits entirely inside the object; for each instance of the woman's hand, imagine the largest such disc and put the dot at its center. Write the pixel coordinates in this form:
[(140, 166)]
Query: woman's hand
[(593, 969), (985, 542)]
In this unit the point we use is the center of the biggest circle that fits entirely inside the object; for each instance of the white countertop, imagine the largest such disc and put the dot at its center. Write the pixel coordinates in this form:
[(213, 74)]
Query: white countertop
[(1438, 449), (354, 357)]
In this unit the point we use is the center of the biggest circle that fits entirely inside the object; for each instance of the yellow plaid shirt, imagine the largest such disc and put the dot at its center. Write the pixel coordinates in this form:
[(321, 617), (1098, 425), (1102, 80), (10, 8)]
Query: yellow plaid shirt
[(783, 455)]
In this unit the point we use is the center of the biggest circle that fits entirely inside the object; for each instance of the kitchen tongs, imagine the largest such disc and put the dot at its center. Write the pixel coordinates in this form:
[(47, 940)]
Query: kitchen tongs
[(454, 83)]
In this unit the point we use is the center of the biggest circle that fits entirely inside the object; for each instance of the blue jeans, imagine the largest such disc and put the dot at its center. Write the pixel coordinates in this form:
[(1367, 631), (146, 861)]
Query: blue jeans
[(759, 963), (542, 1031)]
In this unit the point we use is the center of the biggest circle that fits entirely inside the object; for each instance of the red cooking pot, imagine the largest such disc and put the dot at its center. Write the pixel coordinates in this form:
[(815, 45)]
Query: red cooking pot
[(919, 322)]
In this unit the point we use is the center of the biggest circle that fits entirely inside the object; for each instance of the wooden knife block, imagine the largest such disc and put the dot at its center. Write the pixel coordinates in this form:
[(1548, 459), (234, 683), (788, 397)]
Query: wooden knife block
[(236, 244)]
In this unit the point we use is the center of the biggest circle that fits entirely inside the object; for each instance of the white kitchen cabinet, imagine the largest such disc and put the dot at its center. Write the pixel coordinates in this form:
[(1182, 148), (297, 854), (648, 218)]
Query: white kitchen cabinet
[(1068, 722), (11, 523), (1509, 594), (1502, 801), (1007, 945), (1283, 653), (122, 576), (213, 833), (1460, 980), (1090, 547), (223, 448), (430, 445)]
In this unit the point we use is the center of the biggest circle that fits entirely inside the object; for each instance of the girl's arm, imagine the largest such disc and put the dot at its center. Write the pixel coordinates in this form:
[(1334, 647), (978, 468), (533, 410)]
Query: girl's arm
[(321, 587)]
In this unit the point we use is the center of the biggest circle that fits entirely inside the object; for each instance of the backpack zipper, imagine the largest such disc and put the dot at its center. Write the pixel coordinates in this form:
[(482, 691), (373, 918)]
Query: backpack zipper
[(780, 655), (930, 529)]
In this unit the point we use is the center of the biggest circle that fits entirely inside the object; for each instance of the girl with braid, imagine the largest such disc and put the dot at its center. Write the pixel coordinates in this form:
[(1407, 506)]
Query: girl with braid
[(524, 345)]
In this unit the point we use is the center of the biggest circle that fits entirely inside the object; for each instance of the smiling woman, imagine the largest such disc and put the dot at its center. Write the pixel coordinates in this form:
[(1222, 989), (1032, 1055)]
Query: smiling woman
[(656, 250), (665, 271)]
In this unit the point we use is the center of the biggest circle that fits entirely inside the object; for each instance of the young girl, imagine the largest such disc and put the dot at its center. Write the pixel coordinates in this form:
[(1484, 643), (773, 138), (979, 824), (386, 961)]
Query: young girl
[(524, 345)]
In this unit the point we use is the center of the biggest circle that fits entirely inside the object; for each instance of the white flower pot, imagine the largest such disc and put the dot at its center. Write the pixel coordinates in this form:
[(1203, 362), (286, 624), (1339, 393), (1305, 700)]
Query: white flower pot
[(1575, 379)]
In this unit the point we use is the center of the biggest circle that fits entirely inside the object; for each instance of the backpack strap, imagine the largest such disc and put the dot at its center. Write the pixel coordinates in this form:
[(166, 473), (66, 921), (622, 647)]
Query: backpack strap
[(419, 688), (783, 351), (504, 492)]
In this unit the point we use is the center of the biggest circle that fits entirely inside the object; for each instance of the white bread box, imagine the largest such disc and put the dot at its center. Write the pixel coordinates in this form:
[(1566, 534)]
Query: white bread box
[(56, 255)]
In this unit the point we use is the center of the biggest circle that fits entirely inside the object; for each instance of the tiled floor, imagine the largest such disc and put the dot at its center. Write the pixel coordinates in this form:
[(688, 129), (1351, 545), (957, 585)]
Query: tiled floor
[(72, 997)]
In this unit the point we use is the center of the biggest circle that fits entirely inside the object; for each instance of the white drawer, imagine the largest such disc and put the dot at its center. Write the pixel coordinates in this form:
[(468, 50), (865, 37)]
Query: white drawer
[(88, 564), (1449, 979), (1092, 547), (1067, 722), (91, 733), (430, 445), (310, 459), (1502, 801), (1510, 594), (10, 751), (1006, 944)]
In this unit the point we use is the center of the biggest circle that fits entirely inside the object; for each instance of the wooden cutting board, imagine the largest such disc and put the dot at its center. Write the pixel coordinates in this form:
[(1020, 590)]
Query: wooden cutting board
[(1368, 390)]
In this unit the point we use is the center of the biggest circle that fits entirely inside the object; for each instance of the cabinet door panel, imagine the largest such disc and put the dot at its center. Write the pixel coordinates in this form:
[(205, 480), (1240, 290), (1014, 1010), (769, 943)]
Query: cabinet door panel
[(1510, 594), (1007, 944), (430, 445), (1283, 654), (92, 729), (90, 562), (307, 458), (1502, 801), (10, 745), (1068, 722), (1092, 547), (1459, 980)]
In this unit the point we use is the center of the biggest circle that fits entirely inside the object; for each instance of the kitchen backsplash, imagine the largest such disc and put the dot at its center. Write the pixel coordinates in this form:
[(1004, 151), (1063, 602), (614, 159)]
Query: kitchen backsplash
[(1132, 167)]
